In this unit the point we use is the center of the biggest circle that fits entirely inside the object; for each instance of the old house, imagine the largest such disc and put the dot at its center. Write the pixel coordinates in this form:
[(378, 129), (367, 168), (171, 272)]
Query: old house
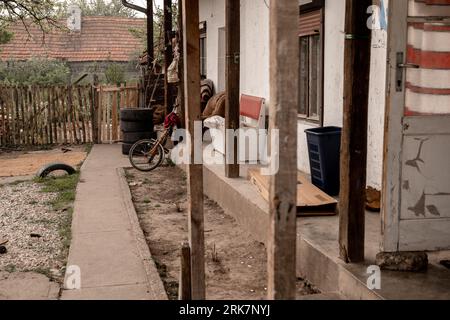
[(87, 44)]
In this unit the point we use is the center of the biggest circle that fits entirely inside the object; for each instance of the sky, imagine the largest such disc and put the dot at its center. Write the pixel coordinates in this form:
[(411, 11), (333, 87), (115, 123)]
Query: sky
[(143, 3)]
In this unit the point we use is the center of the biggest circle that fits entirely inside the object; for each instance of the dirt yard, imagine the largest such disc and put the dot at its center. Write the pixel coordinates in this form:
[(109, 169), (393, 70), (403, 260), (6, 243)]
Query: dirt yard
[(236, 263), (23, 163)]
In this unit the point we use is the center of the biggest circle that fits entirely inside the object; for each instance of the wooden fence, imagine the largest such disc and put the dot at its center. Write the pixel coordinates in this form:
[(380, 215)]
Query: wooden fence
[(40, 115)]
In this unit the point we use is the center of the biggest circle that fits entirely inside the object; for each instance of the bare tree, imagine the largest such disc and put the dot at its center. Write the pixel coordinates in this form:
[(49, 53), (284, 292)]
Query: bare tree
[(28, 12)]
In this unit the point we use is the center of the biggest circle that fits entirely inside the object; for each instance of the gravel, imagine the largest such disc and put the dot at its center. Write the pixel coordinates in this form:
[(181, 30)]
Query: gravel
[(31, 227)]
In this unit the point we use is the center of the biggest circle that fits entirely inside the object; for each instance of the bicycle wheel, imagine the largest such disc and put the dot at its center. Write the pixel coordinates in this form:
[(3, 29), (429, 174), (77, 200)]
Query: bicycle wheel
[(146, 155)]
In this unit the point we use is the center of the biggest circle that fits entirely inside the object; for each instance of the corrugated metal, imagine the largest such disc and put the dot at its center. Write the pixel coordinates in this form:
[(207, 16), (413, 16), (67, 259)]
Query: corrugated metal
[(428, 87), (310, 23)]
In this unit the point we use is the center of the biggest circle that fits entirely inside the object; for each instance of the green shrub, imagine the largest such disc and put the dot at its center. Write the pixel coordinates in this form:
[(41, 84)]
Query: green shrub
[(115, 74), (36, 71)]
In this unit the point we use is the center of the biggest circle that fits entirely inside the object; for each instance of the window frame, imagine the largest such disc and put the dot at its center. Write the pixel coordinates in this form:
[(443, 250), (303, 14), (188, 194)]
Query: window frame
[(316, 5)]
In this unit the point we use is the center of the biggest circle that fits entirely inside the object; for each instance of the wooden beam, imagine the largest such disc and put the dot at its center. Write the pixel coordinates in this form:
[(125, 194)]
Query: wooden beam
[(184, 292), (284, 65), (94, 110), (232, 75), (191, 39), (354, 134), (168, 54), (150, 44), (180, 95)]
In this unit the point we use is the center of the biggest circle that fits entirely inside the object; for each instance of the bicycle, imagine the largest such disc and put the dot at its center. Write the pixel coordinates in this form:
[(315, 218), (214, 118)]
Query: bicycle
[(148, 154)]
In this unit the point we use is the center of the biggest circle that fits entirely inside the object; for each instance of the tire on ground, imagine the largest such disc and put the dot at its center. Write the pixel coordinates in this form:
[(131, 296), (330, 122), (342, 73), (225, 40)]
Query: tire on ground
[(136, 115), (126, 148), (49, 168), (129, 126), (132, 137)]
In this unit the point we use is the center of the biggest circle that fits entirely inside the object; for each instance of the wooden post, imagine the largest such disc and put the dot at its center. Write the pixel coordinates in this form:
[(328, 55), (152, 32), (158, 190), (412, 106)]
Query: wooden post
[(354, 135), (184, 291), (232, 75), (94, 110), (181, 61), (150, 44), (191, 36), (168, 53), (115, 116), (284, 66)]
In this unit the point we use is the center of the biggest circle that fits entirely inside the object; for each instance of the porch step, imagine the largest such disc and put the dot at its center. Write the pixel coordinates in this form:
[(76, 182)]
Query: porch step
[(239, 198)]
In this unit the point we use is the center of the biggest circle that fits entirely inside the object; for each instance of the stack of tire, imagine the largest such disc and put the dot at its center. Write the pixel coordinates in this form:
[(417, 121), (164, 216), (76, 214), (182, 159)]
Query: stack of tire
[(136, 124)]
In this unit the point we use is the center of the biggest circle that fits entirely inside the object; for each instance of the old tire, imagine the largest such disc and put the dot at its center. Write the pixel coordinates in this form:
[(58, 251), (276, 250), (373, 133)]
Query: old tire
[(126, 147), (136, 115), (49, 168), (128, 126), (132, 137)]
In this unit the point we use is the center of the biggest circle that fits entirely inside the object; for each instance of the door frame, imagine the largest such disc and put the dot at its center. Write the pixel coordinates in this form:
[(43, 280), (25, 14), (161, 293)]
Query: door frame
[(393, 129)]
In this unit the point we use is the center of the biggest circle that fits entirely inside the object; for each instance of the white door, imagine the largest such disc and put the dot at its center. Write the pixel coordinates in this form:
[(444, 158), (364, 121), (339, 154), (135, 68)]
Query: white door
[(416, 192)]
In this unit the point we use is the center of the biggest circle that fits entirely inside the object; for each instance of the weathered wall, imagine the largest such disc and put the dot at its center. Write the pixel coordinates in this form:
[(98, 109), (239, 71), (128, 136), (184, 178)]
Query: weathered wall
[(255, 70)]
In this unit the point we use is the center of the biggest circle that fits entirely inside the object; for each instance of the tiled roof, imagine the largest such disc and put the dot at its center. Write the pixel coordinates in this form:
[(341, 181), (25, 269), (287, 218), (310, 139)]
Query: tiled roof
[(100, 39)]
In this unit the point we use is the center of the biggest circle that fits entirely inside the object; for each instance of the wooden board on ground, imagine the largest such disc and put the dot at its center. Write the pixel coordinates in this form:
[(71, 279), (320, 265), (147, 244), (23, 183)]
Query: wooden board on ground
[(311, 201)]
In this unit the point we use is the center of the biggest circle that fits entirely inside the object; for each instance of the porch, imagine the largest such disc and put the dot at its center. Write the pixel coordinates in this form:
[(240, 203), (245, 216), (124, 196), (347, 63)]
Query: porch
[(318, 245)]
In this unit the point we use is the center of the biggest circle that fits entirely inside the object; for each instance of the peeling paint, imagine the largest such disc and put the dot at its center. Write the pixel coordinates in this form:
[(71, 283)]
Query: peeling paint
[(418, 159)]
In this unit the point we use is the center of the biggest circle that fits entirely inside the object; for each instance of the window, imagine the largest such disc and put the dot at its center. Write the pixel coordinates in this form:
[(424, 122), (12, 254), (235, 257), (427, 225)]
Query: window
[(311, 66), (203, 52)]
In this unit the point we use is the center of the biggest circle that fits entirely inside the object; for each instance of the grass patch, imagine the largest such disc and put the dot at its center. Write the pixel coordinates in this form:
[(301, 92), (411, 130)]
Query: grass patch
[(88, 147), (170, 163), (65, 189), (10, 268)]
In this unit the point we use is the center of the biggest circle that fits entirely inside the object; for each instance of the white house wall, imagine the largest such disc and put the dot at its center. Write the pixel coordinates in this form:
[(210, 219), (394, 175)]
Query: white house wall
[(255, 70)]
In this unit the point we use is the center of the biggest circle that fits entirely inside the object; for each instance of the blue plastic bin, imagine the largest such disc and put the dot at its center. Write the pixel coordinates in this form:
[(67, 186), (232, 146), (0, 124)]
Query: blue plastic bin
[(324, 146)]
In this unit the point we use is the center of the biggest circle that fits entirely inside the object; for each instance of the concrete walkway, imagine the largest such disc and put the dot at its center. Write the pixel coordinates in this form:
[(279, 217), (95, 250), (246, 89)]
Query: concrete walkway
[(107, 242)]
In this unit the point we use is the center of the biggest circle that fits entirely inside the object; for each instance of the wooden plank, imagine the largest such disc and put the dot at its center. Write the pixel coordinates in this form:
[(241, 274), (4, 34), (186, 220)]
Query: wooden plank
[(284, 65), (90, 123), (180, 95), (168, 54), (115, 118), (232, 76), (108, 119), (18, 139), (310, 199), (185, 290), (354, 134), (3, 119), (33, 115), (150, 34), (195, 171), (53, 115), (81, 114), (62, 96), (22, 97), (49, 115), (71, 115), (94, 111)]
